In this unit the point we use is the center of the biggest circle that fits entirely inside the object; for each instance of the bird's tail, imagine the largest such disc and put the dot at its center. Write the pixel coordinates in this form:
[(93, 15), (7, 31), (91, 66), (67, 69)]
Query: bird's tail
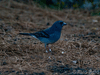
[(28, 34)]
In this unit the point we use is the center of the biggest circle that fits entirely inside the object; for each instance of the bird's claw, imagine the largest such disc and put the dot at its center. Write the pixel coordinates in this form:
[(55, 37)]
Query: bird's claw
[(48, 51)]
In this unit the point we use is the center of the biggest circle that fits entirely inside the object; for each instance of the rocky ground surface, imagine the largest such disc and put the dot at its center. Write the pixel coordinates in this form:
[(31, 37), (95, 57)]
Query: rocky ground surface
[(76, 53)]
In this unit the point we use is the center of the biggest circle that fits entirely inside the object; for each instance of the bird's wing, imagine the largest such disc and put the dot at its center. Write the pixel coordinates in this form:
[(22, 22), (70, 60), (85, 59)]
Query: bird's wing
[(37, 34), (41, 34)]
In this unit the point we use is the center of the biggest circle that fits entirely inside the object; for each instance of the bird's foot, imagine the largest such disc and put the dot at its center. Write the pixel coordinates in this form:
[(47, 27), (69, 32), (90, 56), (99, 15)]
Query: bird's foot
[(48, 51)]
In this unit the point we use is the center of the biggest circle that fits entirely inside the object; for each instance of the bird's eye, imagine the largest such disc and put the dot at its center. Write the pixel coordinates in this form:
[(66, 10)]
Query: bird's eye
[(61, 23)]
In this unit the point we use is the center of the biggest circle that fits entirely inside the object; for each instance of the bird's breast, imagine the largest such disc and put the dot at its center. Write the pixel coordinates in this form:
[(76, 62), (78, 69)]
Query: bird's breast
[(51, 39), (55, 37)]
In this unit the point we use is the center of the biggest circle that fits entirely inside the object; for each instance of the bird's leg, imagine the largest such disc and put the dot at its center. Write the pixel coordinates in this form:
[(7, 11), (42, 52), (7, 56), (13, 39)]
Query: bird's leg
[(49, 49), (46, 47)]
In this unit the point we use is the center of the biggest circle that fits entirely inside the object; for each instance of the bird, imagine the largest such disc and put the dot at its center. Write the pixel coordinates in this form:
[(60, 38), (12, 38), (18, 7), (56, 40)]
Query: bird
[(49, 35)]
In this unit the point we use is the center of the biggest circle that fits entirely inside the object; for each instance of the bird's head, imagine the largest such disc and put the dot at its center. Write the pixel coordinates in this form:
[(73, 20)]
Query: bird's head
[(62, 23), (58, 25)]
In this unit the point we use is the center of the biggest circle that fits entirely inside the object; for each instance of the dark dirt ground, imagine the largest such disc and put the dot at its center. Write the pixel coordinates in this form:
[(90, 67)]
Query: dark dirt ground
[(76, 53)]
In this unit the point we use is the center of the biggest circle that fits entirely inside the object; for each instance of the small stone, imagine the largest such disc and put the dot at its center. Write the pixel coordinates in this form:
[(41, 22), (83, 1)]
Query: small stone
[(94, 20), (62, 52), (49, 57), (46, 51), (75, 61)]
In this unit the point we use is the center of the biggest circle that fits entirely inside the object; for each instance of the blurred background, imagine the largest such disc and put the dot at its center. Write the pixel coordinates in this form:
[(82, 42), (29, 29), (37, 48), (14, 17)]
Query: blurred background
[(67, 4), (63, 4)]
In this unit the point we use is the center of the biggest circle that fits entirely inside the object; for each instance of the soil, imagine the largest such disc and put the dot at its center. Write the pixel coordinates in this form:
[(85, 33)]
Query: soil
[(76, 53)]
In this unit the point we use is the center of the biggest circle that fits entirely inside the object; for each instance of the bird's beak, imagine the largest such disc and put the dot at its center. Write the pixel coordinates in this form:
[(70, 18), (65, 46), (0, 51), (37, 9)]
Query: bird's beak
[(64, 23)]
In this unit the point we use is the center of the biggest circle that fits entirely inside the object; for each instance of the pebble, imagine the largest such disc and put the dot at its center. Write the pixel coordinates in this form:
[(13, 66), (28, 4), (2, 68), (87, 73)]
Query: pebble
[(74, 61), (62, 52)]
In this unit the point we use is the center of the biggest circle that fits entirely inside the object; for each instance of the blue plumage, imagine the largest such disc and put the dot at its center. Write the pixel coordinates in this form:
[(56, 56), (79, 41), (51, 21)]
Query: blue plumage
[(49, 35)]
